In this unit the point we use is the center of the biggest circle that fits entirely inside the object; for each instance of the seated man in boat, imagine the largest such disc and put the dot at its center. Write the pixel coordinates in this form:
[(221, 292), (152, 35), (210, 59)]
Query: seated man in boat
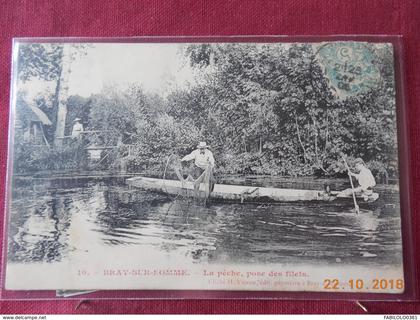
[(365, 179), (203, 160)]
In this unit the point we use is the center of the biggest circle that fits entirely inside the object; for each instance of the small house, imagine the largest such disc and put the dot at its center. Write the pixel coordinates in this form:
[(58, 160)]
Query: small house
[(30, 122)]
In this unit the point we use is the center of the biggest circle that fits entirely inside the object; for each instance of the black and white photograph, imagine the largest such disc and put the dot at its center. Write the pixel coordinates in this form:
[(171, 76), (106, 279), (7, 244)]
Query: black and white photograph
[(255, 166)]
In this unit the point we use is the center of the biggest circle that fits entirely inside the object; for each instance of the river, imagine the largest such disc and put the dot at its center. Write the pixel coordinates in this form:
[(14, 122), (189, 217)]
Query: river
[(45, 213)]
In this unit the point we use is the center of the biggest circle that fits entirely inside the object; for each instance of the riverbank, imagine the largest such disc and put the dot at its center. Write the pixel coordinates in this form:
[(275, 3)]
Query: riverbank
[(309, 182)]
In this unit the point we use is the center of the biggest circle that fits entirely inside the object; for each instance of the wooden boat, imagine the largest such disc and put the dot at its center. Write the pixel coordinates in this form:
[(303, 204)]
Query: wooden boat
[(237, 193)]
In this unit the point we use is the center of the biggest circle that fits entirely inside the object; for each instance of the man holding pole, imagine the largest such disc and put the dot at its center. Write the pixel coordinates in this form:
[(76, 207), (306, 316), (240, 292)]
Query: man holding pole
[(364, 178)]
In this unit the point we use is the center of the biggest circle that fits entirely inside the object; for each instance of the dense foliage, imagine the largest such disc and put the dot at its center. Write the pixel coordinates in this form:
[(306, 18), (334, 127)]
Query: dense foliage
[(263, 109)]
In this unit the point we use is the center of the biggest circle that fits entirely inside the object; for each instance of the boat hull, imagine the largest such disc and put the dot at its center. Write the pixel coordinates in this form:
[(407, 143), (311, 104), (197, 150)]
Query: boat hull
[(232, 193)]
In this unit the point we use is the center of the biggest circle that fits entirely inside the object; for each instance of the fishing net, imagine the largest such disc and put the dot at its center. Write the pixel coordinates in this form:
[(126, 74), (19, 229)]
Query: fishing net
[(181, 203)]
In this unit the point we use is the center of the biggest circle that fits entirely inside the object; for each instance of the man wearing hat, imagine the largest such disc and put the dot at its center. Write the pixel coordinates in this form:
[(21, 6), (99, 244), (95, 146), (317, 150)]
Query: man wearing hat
[(77, 128), (203, 159), (365, 179)]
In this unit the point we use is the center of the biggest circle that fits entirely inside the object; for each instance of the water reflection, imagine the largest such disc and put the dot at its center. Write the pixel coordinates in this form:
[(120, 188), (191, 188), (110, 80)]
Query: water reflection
[(38, 228), (47, 223)]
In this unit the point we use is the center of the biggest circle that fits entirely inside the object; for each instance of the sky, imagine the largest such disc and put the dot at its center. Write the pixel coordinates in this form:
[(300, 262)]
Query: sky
[(156, 67)]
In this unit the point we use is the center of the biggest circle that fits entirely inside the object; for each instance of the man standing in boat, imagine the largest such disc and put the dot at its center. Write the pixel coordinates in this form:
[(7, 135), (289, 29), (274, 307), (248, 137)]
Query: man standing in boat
[(203, 160), (365, 179)]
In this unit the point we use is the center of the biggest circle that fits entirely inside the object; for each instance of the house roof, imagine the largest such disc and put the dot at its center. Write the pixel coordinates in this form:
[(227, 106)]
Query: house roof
[(41, 115), (26, 112)]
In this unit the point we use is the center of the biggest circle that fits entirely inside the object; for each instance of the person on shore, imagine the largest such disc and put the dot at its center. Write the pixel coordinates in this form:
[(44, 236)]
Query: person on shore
[(365, 179), (77, 128), (203, 160)]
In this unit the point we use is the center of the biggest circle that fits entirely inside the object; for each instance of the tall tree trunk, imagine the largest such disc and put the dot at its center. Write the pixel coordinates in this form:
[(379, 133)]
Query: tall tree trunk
[(61, 93), (318, 162), (315, 139), (300, 139), (327, 134)]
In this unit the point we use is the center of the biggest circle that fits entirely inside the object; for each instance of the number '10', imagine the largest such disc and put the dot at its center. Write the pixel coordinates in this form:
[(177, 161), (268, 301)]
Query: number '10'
[(356, 284)]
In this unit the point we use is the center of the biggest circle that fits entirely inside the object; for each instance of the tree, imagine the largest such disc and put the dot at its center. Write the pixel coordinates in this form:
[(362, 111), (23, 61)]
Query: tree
[(273, 105), (50, 62)]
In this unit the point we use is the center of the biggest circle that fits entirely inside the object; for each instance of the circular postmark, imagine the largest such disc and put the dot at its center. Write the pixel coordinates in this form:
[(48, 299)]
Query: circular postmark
[(349, 66)]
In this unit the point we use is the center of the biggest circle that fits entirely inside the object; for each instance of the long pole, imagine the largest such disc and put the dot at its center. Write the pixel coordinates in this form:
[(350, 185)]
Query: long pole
[(356, 206)]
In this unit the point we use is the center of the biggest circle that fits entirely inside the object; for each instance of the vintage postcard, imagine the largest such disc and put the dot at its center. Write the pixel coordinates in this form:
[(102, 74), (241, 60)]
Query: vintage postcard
[(212, 166)]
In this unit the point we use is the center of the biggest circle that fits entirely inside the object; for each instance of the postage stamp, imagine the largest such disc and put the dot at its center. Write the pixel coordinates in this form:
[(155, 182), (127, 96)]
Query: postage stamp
[(349, 66)]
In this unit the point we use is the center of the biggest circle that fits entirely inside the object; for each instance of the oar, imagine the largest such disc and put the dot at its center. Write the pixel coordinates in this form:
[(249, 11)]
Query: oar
[(356, 206)]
